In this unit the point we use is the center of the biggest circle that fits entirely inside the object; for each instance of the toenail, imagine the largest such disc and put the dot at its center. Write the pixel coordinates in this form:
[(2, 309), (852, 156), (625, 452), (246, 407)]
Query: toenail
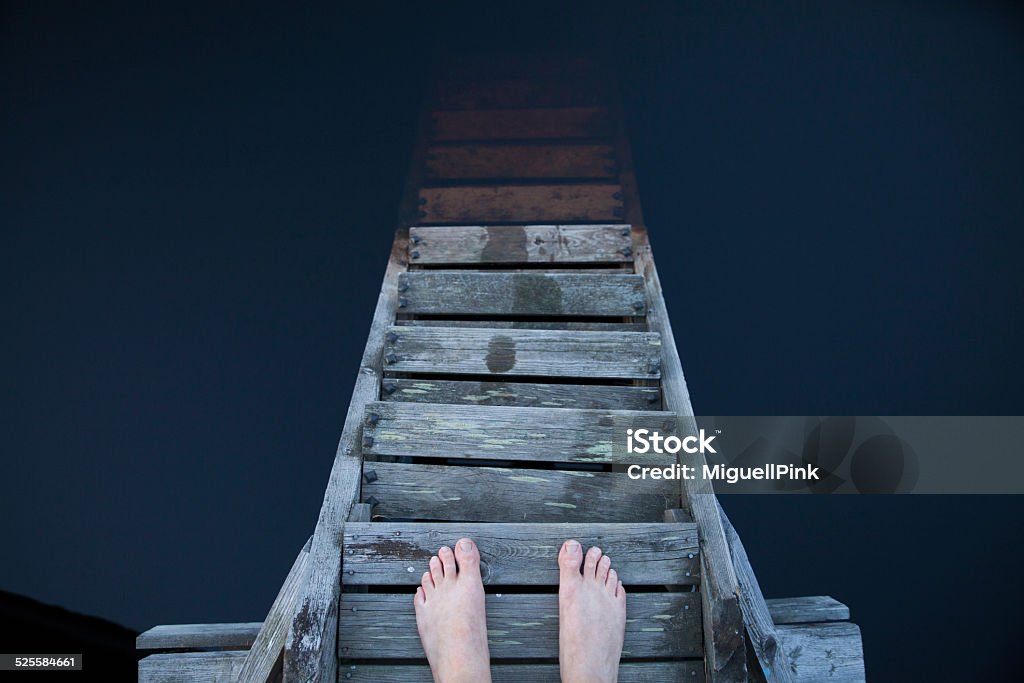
[(572, 546), (466, 545)]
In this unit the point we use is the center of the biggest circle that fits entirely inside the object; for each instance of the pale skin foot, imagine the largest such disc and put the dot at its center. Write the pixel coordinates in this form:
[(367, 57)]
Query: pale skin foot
[(450, 616), (591, 616)]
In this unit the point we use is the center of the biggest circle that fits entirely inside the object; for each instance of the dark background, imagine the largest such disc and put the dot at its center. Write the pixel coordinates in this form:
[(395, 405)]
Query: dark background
[(196, 207)]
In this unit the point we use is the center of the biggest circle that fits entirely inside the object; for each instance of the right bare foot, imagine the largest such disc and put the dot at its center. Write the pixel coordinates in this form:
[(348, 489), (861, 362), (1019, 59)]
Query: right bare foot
[(591, 616), (450, 616)]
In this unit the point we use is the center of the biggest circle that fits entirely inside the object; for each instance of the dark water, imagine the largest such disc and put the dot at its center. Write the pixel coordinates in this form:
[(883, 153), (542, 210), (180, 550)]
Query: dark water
[(197, 207)]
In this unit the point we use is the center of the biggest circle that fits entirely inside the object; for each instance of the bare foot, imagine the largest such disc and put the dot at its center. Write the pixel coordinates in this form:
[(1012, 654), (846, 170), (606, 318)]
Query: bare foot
[(450, 616), (591, 616)]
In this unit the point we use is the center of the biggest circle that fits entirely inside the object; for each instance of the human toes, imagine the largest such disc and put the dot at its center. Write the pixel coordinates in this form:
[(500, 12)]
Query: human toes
[(569, 559), (603, 565), (468, 557), (447, 561), (591, 561), (436, 571)]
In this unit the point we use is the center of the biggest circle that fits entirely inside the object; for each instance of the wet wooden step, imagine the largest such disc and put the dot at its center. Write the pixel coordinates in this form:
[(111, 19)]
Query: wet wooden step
[(525, 161), (440, 430), (538, 353), (519, 626), (629, 672), (236, 636), (496, 494), (523, 294), (396, 553), (579, 203), (467, 244), (192, 667), (521, 124), (542, 324), (526, 394)]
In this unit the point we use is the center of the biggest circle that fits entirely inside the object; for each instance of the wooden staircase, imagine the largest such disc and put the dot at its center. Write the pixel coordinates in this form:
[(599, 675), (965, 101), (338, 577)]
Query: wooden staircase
[(520, 324)]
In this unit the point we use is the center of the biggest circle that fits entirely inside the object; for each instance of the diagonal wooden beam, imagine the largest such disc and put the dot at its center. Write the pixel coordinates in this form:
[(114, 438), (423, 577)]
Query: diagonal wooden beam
[(311, 647), (264, 661)]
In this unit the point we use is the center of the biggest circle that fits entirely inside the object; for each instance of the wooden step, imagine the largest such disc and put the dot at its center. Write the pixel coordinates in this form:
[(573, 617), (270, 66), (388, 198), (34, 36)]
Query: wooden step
[(542, 324), (521, 124), (492, 93), (537, 353), (493, 494), (199, 636), (192, 667), (523, 294), (519, 626), (467, 244), (518, 203), (396, 553), (629, 672), (476, 161), (521, 394), (440, 430)]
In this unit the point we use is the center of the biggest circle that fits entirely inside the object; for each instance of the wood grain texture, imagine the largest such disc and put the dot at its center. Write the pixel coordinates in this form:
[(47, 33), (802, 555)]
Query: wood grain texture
[(265, 658), (761, 632), (523, 161), (551, 294), (192, 667), (537, 353), (525, 394), (520, 626), (462, 244), (311, 646), (824, 653), (529, 325), (521, 124), (395, 553), (494, 494), (629, 672), (199, 636), (724, 631), (521, 203), (443, 430), (807, 609)]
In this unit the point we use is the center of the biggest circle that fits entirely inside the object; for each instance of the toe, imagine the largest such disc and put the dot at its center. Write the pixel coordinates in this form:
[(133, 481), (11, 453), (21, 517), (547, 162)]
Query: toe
[(569, 559), (468, 557), (435, 570), (612, 582), (427, 583), (447, 561), (590, 564), (620, 594), (602, 569), (420, 599)]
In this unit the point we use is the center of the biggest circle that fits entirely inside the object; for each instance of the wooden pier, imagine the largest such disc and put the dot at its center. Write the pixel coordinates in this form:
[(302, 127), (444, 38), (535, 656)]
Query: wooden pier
[(520, 318)]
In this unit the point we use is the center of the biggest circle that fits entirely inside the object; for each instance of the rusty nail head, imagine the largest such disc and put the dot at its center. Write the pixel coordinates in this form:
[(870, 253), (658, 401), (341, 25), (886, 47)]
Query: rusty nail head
[(390, 358), (372, 418), (372, 502), (389, 387), (391, 337), (403, 286), (627, 251), (414, 255), (370, 476), (625, 232), (402, 302), (416, 239), (367, 442)]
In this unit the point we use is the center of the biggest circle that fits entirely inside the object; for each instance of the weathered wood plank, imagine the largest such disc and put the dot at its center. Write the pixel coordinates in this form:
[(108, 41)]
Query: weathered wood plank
[(503, 161), (463, 244), (758, 621), (494, 93), (311, 646), (723, 621), (528, 325), (555, 294), (521, 124), (521, 203), (807, 609), (824, 652), (536, 353), (442, 430), (629, 672), (520, 626), (265, 658), (395, 553), (493, 494), (198, 636), (525, 394), (192, 667)]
